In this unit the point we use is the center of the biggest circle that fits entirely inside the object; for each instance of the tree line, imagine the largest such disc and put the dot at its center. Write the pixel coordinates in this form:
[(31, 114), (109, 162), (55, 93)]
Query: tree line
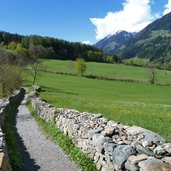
[(53, 48)]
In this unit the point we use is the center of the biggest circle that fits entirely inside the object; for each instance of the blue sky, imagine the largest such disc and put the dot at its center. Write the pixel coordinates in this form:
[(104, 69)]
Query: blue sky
[(78, 20)]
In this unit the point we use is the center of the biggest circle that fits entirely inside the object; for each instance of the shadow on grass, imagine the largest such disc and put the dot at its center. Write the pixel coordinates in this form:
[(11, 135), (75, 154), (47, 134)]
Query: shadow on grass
[(49, 89), (20, 159)]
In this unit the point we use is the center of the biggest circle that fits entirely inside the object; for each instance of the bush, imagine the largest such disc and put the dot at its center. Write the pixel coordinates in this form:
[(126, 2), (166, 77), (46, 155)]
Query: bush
[(137, 62), (10, 78), (80, 66)]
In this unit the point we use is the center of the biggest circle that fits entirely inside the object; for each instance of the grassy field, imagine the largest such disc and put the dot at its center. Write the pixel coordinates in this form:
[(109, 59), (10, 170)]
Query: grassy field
[(140, 104), (109, 70)]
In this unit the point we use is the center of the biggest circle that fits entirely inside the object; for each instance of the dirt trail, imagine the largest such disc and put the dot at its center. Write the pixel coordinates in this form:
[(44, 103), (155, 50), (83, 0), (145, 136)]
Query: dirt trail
[(39, 152)]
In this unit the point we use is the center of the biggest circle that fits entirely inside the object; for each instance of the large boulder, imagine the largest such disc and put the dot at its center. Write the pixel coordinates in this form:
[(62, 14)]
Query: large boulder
[(153, 137), (121, 154)]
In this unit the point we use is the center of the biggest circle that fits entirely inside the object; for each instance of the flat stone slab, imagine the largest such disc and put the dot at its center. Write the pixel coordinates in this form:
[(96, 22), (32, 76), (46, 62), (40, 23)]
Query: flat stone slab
[(137, 159), (135, 130), (154, 165), (153, 137)]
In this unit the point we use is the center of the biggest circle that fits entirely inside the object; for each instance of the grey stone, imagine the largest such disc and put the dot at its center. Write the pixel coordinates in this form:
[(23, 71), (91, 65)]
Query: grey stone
[(153, 164), (108, 131), (121, 154), (96, 157), (91, 132), (153, 137), (167, 160), (98, 141), (109, 147), (131, 167), (159, 150), (99, 115), (144, 150), (121, 143), (91, 152), (112, 123), (134, 130), (100, 162), (137, 159), (167, 147), (146, 143), (105, 168)]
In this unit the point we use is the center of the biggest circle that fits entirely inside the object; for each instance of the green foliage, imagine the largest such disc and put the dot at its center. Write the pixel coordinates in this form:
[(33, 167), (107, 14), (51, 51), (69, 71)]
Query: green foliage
[(10, 78), (161, 33), (152, 75), (6, 38), (51, 48), (95, 56), (7, 56), (22, 54), (85, 163), (12, 45), (38, 51), (47, 47), (142, 62), (80, 66)]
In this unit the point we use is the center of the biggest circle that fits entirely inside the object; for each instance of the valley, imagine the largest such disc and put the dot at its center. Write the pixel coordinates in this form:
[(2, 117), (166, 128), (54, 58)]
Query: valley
[(104, 101)]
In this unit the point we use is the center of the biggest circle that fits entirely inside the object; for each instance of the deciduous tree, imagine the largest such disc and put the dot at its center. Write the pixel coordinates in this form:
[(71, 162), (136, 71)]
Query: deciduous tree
[(80, 66), (10, 78)]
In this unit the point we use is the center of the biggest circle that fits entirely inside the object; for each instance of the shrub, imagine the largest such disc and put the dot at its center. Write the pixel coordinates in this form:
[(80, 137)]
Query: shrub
[(80, 66)]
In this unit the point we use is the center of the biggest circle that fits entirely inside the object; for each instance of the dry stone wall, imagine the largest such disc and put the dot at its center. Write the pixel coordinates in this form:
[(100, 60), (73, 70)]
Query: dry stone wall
[(111, 145), (5, 105)]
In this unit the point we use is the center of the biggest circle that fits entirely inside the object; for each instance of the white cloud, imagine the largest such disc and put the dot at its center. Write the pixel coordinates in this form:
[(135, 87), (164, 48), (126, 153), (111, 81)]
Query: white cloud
[(87, 42), (135, 15), (167, 8)]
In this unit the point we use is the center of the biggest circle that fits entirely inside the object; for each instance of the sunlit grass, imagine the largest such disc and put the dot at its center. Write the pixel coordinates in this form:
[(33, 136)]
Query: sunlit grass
[(140, 104), (109, 70)]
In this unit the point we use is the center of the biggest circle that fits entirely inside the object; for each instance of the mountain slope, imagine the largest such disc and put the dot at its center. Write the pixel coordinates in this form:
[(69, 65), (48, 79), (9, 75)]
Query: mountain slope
[(152, 42), (114, 43)]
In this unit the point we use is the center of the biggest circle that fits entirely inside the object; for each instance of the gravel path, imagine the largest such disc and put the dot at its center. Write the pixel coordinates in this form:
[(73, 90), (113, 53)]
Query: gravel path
[(39, 152)]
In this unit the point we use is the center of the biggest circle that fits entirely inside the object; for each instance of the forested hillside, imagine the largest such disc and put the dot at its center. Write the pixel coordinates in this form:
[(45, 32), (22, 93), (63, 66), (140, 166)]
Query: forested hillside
[(153, 42), (53, 48)]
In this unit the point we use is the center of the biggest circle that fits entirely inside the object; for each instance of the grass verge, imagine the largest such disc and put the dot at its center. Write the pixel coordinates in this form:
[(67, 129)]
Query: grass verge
[(11, 137), (81, 159)]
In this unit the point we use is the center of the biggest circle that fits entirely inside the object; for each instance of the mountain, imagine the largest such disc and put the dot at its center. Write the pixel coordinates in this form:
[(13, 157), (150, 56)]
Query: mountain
[(153, 42), (114, 43)]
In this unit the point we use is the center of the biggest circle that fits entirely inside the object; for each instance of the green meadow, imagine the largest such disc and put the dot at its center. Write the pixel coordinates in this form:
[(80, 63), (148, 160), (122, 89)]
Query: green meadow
[(139, 104), (109, 70)]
